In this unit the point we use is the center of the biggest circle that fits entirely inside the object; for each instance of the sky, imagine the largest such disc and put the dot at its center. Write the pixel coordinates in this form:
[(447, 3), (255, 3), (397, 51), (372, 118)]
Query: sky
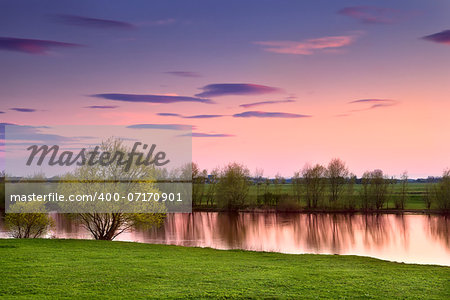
[(274, 84)]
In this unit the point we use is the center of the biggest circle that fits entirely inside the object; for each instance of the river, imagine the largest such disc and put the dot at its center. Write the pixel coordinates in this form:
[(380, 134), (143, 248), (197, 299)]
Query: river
[(409, 238)]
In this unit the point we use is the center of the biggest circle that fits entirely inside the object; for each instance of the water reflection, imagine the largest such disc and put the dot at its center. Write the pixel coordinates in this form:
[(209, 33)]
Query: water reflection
[(405, 238)]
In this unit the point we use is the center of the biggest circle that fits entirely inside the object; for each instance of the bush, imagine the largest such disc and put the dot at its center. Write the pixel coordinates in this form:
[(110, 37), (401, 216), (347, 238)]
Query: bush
[(442, 193), (24, 225), (233, 186)]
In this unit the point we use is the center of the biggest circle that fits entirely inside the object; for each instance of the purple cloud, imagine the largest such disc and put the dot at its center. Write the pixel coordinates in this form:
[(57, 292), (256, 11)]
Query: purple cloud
[(201, 134), (203, 116), (2, 112), (190, 117), (263, 114), (442, 37), (169, 115), (371, 101), (224, 89), (93, 22), (163, 99), (102, 106), (371, 14), (184, 74), (31, 46), (248, 105), (374, 103), (22, 109), (162, 126)]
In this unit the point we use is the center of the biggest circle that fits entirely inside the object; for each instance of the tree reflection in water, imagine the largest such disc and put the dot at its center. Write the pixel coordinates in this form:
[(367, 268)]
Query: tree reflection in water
[(410, 238)]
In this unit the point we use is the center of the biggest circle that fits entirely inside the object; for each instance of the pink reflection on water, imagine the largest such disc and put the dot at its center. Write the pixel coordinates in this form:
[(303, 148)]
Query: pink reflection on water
[(405, 238)]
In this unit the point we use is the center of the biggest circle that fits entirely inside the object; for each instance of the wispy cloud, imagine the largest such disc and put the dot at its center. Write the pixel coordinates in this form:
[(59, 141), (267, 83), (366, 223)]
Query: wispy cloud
[(2, 112), (248, 105), (160, 22), (372, 14), (308, 46), (163, 99), (31, 46), (190, 117), (92, 22), (36, 133), (203, 116), (184, 73), (102, 106), (374, 103), (23, 109), (263, 114), (201, 134), (224, 89), (162, 126), (442, 37)]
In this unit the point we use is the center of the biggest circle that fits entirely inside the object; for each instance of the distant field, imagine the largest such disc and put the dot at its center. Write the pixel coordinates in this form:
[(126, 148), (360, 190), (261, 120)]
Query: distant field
[(416, 192), (414, 200), (41, 268)]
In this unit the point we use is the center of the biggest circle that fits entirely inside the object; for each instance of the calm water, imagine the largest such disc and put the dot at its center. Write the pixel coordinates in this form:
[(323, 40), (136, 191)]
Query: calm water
[(405, 238)]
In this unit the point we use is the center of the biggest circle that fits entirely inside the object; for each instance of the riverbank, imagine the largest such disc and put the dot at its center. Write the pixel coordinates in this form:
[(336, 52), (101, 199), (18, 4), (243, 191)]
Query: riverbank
[(326, 211), (80, 268)]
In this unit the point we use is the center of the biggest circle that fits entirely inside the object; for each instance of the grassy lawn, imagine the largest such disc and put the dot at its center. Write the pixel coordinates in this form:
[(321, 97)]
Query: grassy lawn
[(87, 269)]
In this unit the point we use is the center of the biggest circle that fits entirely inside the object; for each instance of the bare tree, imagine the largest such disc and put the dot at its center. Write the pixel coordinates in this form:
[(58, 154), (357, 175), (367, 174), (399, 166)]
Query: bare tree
[(297, 186), (315, 182), (428, 194), (211, 189), (198, 185), (375, 188), (337, 173), (400, 201), (350, 192), (258, 181), (442, 192)]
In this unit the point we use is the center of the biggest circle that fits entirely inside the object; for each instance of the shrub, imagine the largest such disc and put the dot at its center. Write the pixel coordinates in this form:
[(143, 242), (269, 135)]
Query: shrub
[(23, 225)]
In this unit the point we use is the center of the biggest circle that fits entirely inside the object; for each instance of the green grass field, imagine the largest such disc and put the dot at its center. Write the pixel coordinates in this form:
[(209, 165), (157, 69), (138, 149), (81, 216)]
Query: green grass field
[(44, 268), (414, 199)]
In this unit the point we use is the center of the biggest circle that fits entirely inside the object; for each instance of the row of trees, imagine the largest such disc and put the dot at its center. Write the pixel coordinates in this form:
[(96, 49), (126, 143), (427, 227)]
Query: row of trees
[(313, 187)]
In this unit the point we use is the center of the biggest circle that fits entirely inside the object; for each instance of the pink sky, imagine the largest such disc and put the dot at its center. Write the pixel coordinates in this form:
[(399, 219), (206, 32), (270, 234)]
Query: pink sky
[(322, 59)]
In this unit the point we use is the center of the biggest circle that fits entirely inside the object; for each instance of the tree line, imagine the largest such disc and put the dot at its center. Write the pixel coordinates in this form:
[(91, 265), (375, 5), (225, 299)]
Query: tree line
[(314, 187)]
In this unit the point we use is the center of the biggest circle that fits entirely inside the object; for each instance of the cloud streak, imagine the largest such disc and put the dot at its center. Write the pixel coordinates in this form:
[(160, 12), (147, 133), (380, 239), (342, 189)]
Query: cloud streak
[(162, 99), (263, 114), (23, 109), (308, 46), (248, 105), (102, 106), (442, 37), (371, 14), (92, 22), (190, 117), (32, 46), (184, 74), (162, 126), (225, 89), (374, 103)]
